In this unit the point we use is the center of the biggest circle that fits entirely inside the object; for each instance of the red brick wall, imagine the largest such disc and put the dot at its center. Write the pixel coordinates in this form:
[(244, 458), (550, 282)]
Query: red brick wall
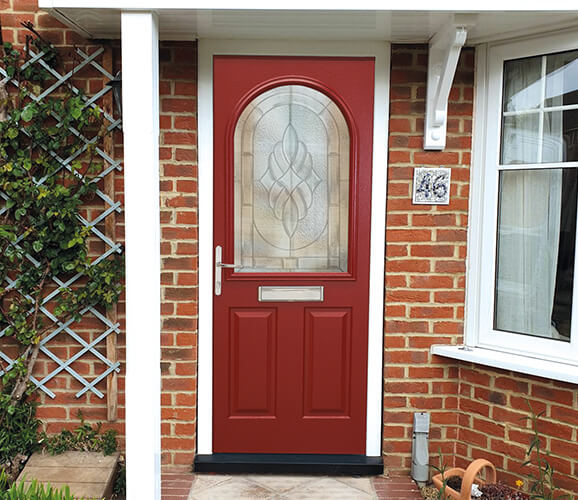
[(179, 233), (494, 425), (425, 259)]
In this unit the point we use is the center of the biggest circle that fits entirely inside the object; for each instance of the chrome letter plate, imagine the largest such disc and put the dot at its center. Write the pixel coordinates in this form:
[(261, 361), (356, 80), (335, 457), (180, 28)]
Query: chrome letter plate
[(290, 294)]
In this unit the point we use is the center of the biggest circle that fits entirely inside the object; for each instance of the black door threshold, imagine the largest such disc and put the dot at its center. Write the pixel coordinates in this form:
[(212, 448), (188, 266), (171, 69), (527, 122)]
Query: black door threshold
[(273, 463)]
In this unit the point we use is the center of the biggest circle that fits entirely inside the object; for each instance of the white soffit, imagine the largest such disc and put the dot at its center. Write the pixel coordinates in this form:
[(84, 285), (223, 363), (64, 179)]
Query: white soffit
[(301, 19)]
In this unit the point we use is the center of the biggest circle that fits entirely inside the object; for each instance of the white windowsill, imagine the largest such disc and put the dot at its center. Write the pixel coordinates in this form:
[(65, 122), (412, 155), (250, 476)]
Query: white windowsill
[(508, 361)]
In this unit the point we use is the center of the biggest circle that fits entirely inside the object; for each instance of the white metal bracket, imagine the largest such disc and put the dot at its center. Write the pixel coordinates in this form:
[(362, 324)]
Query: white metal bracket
[(444, 52)]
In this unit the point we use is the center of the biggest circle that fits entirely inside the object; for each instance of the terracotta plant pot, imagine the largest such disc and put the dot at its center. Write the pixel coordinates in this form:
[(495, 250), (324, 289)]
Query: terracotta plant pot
[(469, 477)]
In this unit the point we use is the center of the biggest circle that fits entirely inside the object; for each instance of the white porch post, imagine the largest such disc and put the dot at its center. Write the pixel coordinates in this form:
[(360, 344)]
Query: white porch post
[(140, 99)]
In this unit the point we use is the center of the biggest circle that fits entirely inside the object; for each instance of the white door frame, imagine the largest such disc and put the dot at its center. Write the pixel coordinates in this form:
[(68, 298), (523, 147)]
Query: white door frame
[(381, 52)]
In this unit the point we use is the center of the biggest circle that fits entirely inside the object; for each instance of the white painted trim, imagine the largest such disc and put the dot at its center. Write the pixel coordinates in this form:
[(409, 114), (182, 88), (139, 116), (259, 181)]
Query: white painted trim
[(359, 5), (475, 211), (508, 361), (140, 73), (381, 52), (520, 33), (487, 336), (103, 20), (205, 195), (377, 252)]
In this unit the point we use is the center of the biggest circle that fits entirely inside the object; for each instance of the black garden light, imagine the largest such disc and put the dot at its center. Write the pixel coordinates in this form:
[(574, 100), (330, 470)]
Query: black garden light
[(116, 85)]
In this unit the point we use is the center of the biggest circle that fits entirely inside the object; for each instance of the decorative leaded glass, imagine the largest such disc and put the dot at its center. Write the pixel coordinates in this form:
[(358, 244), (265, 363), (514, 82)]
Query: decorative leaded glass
[(291, 164)]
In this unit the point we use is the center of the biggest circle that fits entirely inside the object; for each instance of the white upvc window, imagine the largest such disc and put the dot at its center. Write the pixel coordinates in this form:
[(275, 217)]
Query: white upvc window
[(520, 311)]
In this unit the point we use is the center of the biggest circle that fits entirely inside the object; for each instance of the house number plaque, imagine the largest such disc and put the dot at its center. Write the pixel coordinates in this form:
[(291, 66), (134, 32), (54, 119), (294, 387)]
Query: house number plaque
[(431, 186)]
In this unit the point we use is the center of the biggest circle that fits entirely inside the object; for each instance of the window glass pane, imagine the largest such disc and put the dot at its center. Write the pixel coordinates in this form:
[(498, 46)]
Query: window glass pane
[(562, 79), (553, 137), (522, 143), (560, 136), (520, 139), (570, 134), (538, 124), (291, 183), (535, 253), (522, 84)]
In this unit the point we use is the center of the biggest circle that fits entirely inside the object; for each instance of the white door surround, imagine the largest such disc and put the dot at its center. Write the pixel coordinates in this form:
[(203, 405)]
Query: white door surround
[(381, 52)]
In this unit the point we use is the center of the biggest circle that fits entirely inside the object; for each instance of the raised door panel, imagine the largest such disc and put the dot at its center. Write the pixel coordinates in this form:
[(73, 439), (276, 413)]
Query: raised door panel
[(253, 354), (327, 380)]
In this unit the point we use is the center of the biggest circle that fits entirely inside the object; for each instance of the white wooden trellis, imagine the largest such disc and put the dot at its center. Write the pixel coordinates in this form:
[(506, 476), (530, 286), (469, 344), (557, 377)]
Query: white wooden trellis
[(110, 246)]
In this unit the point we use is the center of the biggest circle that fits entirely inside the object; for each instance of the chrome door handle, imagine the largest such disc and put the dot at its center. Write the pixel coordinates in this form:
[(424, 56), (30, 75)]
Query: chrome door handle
[(230, 266), (219, 265)]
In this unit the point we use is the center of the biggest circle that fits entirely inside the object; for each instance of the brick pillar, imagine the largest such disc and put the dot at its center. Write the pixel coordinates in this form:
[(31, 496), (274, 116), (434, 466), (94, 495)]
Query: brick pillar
[(179, 234)]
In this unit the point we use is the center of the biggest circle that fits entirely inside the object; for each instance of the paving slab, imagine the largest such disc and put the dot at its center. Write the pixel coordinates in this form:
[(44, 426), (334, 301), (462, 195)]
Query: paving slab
[(286, 487), (89, 475), (280, 487)]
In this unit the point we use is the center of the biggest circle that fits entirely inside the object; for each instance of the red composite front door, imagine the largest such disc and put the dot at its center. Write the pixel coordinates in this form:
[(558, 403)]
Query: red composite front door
[(292, 160)]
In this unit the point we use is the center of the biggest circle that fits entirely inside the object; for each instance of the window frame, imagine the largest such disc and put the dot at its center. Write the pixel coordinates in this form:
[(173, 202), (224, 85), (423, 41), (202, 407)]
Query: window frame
[(482, 236)]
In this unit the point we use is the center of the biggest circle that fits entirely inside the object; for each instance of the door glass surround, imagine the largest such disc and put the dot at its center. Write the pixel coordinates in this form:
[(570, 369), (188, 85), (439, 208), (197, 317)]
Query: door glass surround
[(209, 183), (291, 168)]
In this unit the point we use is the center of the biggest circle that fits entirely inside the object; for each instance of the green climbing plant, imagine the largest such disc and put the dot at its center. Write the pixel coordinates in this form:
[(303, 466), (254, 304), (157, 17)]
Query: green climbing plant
[(41, 235)]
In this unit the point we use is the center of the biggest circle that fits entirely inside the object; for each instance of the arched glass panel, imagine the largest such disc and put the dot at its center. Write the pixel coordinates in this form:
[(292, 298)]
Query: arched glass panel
[(291, 164)]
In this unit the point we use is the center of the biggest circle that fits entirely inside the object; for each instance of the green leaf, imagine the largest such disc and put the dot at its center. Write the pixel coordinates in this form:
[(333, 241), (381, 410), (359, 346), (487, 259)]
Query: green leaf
[(12, 133), (76, 111), (9, 235), (28, 112), (37, 245)]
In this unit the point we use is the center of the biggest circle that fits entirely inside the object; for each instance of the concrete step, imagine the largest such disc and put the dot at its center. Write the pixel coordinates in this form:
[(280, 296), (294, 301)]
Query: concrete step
[(89, 475)]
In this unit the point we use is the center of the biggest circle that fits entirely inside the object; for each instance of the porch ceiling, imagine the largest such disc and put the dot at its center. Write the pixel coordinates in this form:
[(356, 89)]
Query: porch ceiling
[(177, 23)]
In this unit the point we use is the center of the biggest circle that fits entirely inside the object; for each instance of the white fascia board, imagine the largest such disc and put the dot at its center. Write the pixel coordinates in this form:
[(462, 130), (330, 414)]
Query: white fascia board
[(359, 5), (552, 370)]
